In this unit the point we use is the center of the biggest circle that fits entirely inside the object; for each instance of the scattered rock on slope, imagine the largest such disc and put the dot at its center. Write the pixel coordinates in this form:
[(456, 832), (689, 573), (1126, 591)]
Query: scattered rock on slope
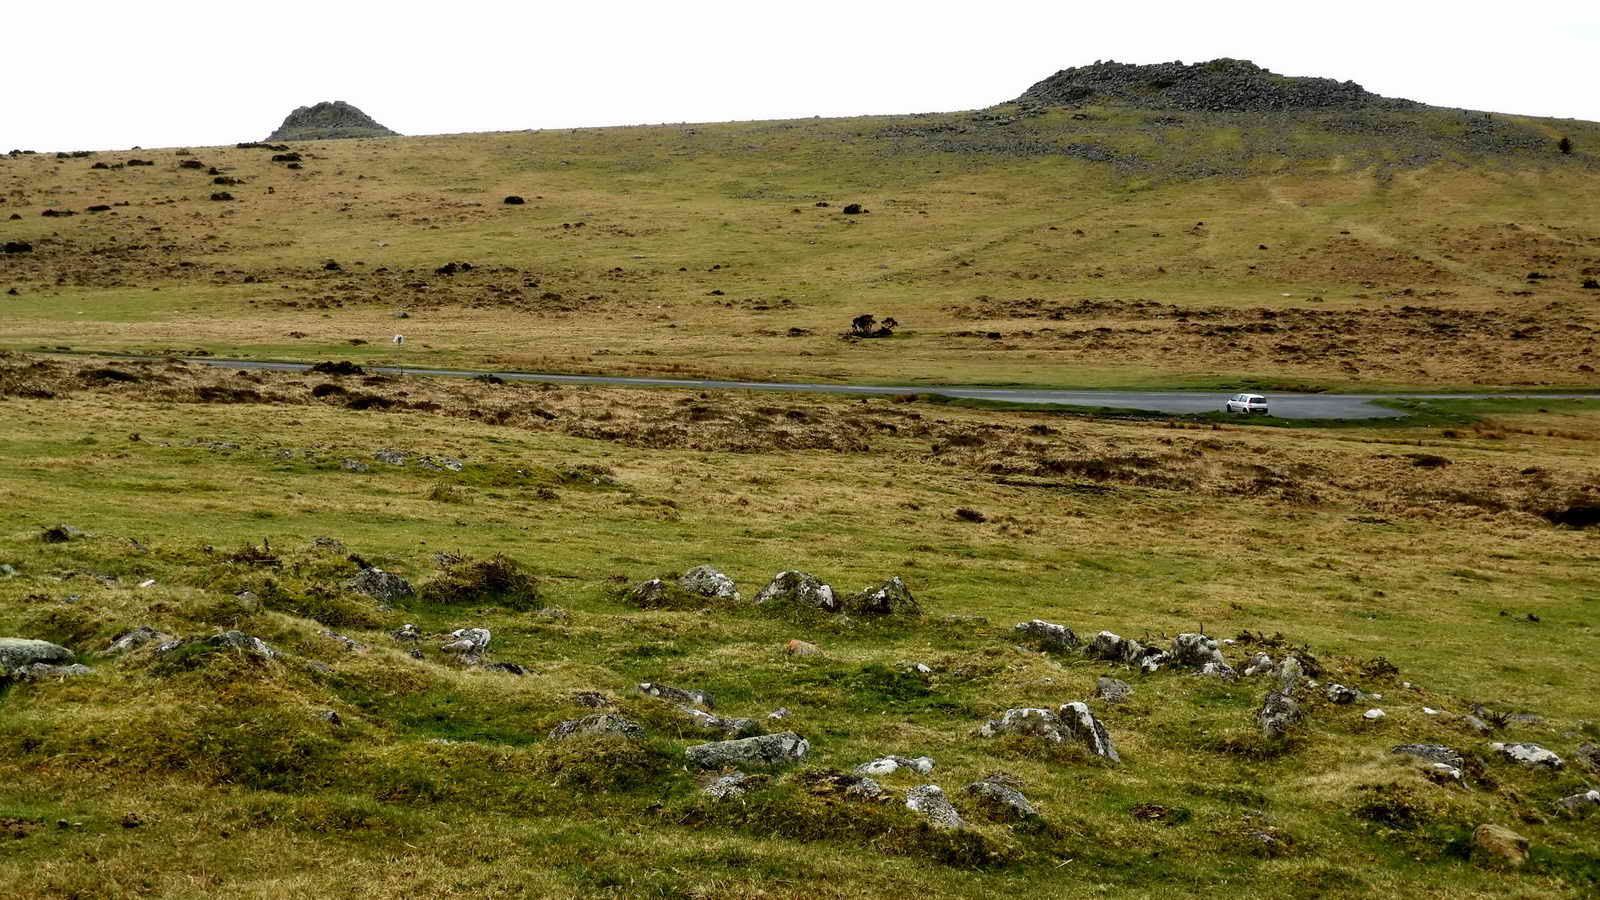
[(329, 120)]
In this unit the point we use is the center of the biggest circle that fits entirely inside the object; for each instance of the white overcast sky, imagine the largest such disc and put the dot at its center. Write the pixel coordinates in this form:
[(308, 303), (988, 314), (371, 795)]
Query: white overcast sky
[(92, 74)]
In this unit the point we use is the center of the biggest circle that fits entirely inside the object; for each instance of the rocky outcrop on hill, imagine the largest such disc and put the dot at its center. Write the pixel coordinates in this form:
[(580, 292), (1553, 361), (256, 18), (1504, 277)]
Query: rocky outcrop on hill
[(1221, 84), (328, 120)]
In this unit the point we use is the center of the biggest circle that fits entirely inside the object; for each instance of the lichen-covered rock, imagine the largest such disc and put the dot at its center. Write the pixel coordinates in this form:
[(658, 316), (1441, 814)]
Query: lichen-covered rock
[(1579, 805), (1079, 723), (408, 634), (765, 750), (1029, 721), (677, 695), (1115, 648), (733, 785), (385, 587), (599, 724), (1290, 674), (134, 638), (48, 672), (888, 765), (798, 589), (1499, 843), (18, 652), (469, 644), (1529, 754), (1001, 801), (1199, 652), (891, 598), (241, 641), (930, 801), (1260, 664), (1475, 725), (719, 724), (1433, 753), (798, 647), (866, 789), (1588, 756), (1278, 713), (1338, 693), (710, 583), (1048, 635), (350, 645), (1112, 690)]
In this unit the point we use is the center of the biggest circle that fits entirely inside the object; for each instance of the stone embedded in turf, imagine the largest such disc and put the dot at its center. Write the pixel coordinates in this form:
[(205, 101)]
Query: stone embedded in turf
[(1079, 723), (599, 723), (930, 801), (677, 695), (1000, 800), (469, 644), (764, 750), (1048, 635), (708, 582), (890, 598), (1112, 690), (888, 765), (385, 587), (1529, 754), (136, 637), (1277, 714), (799, 589)]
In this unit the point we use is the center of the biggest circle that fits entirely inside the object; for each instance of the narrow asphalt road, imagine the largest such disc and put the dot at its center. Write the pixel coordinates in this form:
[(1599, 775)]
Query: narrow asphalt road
[(1289, 406)]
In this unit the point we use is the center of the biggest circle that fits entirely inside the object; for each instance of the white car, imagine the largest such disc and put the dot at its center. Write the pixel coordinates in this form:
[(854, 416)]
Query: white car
[(1246, 404)]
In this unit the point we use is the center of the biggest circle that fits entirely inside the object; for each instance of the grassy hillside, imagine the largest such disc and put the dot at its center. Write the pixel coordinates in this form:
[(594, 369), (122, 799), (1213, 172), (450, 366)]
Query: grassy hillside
[(1412, 563), (1100, 246)]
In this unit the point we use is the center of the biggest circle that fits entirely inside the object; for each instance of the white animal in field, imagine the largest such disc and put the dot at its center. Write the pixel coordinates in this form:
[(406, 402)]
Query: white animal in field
[(399, 339)]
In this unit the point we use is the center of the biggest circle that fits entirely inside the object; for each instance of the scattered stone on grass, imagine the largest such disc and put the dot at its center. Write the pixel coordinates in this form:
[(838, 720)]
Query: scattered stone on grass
[(510, 668), (598, 723), (799, 589), (239, 640), (48, 672), (708, 582), (1112, 690), (1579, 805), (392, 457), (733, 785), (408, 634), (1373, 715), (1290, 674), (1475, 725), (719, 724), (1048, 635), (1113, 647), (18, 652), (1029, 720), (1078, 722), (1277, 714), (1528, 754), (136, 637), (1199, 652), (1589, 756), (1260, 664), (351, 645), (469, 644), (764, 750), (888, 765), (779, 714), (930, 801), (385, 587), (891, 598), (1500, 844), (677, 695), (1001, 800), (801, 648), (1338, 693)]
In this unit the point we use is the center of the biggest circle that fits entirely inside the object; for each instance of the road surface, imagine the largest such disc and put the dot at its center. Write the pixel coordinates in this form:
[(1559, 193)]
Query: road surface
[(1284, 405)]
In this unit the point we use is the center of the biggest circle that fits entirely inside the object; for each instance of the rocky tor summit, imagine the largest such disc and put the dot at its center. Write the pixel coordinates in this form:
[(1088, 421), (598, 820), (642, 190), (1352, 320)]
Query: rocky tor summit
[(1221, 84), (329, 120)]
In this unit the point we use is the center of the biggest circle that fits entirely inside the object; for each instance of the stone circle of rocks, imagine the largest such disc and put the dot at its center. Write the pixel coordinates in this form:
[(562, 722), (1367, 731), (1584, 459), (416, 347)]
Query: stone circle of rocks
[(765, 750), (598, 724), (888, 765), (930, 801), (800, 589)]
